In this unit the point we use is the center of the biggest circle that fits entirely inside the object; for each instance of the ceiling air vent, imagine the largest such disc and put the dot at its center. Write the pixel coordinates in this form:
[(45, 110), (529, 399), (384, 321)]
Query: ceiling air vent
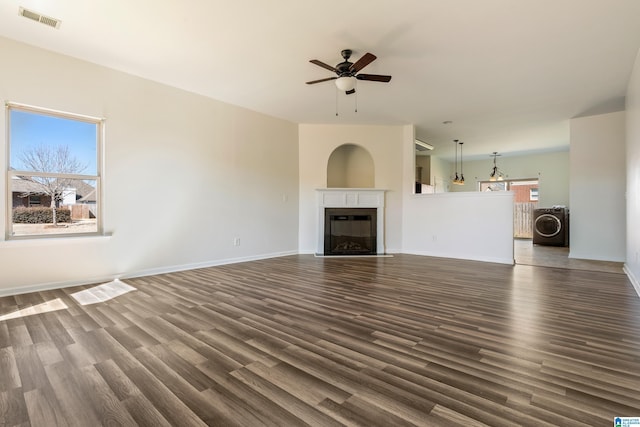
[(35, 16), (423, 146)]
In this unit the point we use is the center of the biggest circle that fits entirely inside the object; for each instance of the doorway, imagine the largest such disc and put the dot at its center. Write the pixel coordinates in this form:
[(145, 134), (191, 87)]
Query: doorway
[(525, 200)]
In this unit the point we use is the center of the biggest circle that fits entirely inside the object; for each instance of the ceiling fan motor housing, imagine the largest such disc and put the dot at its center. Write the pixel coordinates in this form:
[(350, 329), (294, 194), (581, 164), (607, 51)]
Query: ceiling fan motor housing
[(342, 69)]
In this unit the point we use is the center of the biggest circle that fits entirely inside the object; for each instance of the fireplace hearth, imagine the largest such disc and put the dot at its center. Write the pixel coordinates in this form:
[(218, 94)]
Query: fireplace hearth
[(350, 231)]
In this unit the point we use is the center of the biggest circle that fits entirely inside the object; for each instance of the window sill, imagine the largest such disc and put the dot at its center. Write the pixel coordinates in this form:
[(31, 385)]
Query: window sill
[(54, 240)]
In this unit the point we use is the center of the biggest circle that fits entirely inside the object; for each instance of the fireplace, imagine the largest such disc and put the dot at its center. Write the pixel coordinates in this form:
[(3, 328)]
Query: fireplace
[(360, 211), (350, 231)]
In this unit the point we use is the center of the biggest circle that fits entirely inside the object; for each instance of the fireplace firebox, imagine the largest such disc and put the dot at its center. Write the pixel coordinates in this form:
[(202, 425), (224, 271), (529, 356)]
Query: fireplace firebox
[(350, 231)]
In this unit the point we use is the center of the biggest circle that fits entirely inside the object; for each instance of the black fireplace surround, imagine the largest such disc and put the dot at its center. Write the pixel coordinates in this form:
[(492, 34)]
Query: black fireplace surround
[(350, 231)]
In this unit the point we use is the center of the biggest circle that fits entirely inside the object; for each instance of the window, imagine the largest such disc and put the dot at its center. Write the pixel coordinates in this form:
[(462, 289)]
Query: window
[(53, 173), (34, 200), (493, 186), (525, 190)]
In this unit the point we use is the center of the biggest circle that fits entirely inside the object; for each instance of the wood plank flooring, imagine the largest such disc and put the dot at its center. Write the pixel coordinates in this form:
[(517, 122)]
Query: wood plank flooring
[(300, 340), (526, 253)]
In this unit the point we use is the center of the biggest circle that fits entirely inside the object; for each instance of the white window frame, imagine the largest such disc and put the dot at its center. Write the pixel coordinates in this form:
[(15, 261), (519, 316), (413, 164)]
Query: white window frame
[(10, 174), (533, 194)]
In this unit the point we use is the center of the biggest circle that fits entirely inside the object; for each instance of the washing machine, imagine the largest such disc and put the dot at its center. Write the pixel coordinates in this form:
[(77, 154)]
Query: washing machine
[(551, 226)]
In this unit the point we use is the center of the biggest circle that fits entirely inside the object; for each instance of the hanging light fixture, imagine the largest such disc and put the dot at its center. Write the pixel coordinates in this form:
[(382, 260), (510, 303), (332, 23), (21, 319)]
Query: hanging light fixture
[(456, 178), (496, 174), (461, 180), (346, 83)]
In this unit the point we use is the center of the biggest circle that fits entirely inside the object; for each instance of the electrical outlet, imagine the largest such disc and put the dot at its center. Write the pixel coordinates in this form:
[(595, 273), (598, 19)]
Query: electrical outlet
[(236, 241)]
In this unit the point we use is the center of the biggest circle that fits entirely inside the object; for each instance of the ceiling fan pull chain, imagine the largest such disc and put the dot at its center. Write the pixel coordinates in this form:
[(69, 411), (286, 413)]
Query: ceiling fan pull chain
[(356, 97), (336, 102)]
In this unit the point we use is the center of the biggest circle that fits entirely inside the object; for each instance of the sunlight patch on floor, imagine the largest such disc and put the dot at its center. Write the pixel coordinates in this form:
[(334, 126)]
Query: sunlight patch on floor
[(102, 293), (45, 307)]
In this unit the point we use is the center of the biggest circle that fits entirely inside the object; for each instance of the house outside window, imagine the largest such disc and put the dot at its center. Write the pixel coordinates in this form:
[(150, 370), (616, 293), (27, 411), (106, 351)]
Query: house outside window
[(35, 200), (54, 173)]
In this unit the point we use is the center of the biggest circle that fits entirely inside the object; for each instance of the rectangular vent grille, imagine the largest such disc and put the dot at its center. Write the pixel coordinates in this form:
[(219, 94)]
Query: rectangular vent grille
[(423, 146), (35, 16)]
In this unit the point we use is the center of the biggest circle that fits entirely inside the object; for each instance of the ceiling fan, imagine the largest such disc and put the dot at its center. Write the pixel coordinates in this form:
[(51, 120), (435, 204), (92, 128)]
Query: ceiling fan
[(347, 72)]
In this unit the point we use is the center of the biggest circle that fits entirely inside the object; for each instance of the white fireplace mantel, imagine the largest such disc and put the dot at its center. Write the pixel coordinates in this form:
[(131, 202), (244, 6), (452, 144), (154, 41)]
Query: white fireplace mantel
[(351, 198)]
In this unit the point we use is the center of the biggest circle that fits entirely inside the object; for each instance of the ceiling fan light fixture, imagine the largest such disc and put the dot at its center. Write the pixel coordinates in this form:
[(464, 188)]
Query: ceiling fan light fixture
[(346, 83)]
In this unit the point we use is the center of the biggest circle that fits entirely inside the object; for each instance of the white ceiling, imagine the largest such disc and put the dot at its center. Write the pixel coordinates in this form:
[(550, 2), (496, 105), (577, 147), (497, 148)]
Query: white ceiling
[(508, 73)]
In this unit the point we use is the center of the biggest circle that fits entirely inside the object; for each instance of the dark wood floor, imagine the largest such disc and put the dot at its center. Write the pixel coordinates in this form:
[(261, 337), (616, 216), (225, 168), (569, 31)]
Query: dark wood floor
[(299, 340)]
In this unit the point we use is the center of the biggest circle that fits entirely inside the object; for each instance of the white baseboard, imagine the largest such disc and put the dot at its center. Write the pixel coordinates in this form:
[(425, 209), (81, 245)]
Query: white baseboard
[(634, 280), (54, 285), (140, 273), (495, 260), (205, 264)]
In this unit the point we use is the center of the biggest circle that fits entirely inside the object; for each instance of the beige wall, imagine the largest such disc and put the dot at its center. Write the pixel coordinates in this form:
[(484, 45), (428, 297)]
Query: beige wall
[(598, 184), (350, 166), (184, 175), (440, 174), (424, 162)]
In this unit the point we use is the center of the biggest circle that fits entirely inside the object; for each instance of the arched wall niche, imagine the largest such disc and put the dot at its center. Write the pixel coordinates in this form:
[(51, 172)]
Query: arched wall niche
[(350, 166)]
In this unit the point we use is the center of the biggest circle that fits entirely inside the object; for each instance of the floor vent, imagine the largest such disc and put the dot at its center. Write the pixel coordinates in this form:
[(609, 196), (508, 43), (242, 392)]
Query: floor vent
[(35, 16)]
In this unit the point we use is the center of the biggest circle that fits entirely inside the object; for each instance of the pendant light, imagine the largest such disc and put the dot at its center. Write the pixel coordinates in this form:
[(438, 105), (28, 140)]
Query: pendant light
[(461, 180), (456, 179), (496, 174)]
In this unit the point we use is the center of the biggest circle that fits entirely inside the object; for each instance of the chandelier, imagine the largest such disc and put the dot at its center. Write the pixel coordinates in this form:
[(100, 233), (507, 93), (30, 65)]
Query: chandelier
[(496, 174)]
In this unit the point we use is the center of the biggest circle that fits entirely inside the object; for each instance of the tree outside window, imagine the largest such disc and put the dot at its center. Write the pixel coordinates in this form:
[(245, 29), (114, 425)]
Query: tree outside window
[(53, 173)]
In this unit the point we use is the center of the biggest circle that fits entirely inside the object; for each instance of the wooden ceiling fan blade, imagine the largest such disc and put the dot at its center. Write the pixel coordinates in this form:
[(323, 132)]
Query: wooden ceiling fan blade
[(321, 80), (374, 77), (323, 65), (367, 59)]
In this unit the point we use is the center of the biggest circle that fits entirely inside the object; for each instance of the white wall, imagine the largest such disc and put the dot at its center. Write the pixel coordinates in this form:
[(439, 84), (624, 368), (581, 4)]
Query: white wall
[(183, 176), (384, 143), (632, 266), (597, 188), (550, 168), (476, 226)]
